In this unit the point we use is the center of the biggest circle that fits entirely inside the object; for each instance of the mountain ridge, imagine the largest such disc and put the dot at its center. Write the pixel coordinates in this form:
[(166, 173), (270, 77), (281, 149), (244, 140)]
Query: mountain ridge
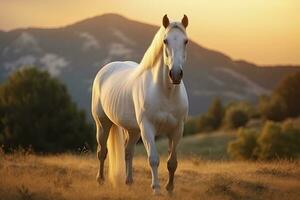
[(74, 53), (117, 17)]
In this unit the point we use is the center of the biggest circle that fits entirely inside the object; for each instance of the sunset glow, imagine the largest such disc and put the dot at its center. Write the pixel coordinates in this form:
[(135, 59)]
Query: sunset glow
[(259, 31)]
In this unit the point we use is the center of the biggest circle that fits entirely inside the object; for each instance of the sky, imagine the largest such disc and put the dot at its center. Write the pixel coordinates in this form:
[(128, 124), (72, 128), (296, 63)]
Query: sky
[(266, 32)]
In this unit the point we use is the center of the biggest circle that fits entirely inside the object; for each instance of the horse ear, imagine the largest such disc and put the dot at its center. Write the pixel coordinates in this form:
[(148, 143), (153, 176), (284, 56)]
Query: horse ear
[(185, 21), (166, 21)]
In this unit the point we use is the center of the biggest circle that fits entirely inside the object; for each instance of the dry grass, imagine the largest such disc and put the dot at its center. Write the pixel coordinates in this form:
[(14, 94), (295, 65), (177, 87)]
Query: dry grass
[(68, 176)]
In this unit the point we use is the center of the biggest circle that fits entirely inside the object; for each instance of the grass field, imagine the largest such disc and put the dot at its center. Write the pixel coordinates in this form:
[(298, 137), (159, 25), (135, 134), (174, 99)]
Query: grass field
[(69, 176)]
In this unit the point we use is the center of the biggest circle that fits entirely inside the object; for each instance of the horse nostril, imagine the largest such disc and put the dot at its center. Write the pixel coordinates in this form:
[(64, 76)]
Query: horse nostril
[(181, 73)]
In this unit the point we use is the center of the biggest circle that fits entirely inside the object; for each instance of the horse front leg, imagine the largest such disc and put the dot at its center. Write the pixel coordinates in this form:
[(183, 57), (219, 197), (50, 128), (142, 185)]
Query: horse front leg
[(174, 138), (148, 137)]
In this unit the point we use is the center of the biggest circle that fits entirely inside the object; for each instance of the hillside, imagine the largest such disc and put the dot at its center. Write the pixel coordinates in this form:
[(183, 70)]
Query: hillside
[(76, 52), (210, 146)]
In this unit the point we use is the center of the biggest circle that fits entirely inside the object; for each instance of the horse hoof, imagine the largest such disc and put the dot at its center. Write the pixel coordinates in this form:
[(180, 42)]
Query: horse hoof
[(169, 188), (129, 182), (100, 180), (170, 193), (156, 192)]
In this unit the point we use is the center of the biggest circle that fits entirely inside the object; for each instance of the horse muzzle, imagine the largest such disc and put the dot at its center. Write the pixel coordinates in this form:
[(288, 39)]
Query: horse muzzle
[(176, 76)]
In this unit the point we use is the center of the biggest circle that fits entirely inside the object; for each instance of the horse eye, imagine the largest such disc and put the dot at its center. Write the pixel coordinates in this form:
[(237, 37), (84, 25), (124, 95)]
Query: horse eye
[(165, 41), (186, 41)]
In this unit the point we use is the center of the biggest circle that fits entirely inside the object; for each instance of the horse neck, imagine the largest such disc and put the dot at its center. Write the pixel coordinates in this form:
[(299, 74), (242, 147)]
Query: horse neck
[(160, 74)]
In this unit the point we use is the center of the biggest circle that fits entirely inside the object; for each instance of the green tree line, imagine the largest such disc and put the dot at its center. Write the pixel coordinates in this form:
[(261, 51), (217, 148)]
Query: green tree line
[(282, 103), (36, 111)]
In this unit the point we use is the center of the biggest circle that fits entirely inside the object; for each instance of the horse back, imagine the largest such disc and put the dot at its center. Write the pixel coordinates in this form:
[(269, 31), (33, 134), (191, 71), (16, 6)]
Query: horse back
[(114, 85)]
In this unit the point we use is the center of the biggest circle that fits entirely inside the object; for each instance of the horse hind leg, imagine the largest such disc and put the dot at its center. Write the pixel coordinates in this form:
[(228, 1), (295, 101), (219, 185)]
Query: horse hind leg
[(103, 125), (133, 137)]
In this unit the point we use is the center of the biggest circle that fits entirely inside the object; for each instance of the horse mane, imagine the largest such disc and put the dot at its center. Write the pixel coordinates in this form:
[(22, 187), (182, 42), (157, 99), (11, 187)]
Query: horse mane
[(153, 52), (150, 57)]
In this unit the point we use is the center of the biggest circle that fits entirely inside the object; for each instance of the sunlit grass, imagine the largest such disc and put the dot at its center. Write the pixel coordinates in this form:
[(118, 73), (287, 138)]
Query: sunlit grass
[(68, 176)]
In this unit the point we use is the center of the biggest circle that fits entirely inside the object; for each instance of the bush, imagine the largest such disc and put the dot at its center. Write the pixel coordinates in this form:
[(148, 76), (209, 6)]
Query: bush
[(292, 136), (215, 114), (206, 122), (273, 108), (37, 111), (198, 124), (273, 141), (245, 144), (252, 112), (190, 127), (278, 141), (235, 117)]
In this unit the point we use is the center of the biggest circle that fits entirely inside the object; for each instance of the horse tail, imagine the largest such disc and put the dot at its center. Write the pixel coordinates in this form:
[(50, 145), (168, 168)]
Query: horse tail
[(116, 155)]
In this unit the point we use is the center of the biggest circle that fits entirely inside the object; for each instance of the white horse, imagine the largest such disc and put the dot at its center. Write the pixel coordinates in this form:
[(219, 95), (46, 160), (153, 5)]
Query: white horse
[(130, 100)]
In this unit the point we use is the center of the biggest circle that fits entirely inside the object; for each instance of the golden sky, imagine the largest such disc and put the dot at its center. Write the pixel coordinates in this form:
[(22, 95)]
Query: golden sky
[(260, 31)]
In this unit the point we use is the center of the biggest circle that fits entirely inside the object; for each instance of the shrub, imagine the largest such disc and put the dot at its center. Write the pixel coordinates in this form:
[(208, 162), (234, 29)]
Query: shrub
[(206, 122), (248, 108), (190, 127), (199, 124), (244, 146), (235, 117), (278, 141), (215, 114), (292, 134), (275, 140), (273, 108), (36, 110)]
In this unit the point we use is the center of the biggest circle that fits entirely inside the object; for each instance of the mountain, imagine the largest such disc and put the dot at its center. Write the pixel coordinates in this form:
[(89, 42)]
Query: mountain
[(76, 52)]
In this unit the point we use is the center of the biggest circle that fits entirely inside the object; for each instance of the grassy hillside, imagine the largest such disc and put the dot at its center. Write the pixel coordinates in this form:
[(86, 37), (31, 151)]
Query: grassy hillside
[(211, 146), (67, 176)]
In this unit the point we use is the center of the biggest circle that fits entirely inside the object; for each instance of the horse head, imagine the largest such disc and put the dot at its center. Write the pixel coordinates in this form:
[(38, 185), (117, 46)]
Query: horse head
[(175, 42)]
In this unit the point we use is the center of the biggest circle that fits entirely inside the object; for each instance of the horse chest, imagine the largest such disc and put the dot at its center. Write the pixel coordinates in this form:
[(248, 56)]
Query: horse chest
[(164, 112), (164, 116), (165, 119)]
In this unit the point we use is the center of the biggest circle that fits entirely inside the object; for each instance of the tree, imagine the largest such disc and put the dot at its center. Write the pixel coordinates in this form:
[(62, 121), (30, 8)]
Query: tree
[(36, 110), (273, 108), (236, 117), (211, 120), (289, 90), (216, 111)]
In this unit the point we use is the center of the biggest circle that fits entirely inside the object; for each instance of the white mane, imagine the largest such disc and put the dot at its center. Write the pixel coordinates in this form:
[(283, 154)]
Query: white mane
[(154, 50)]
